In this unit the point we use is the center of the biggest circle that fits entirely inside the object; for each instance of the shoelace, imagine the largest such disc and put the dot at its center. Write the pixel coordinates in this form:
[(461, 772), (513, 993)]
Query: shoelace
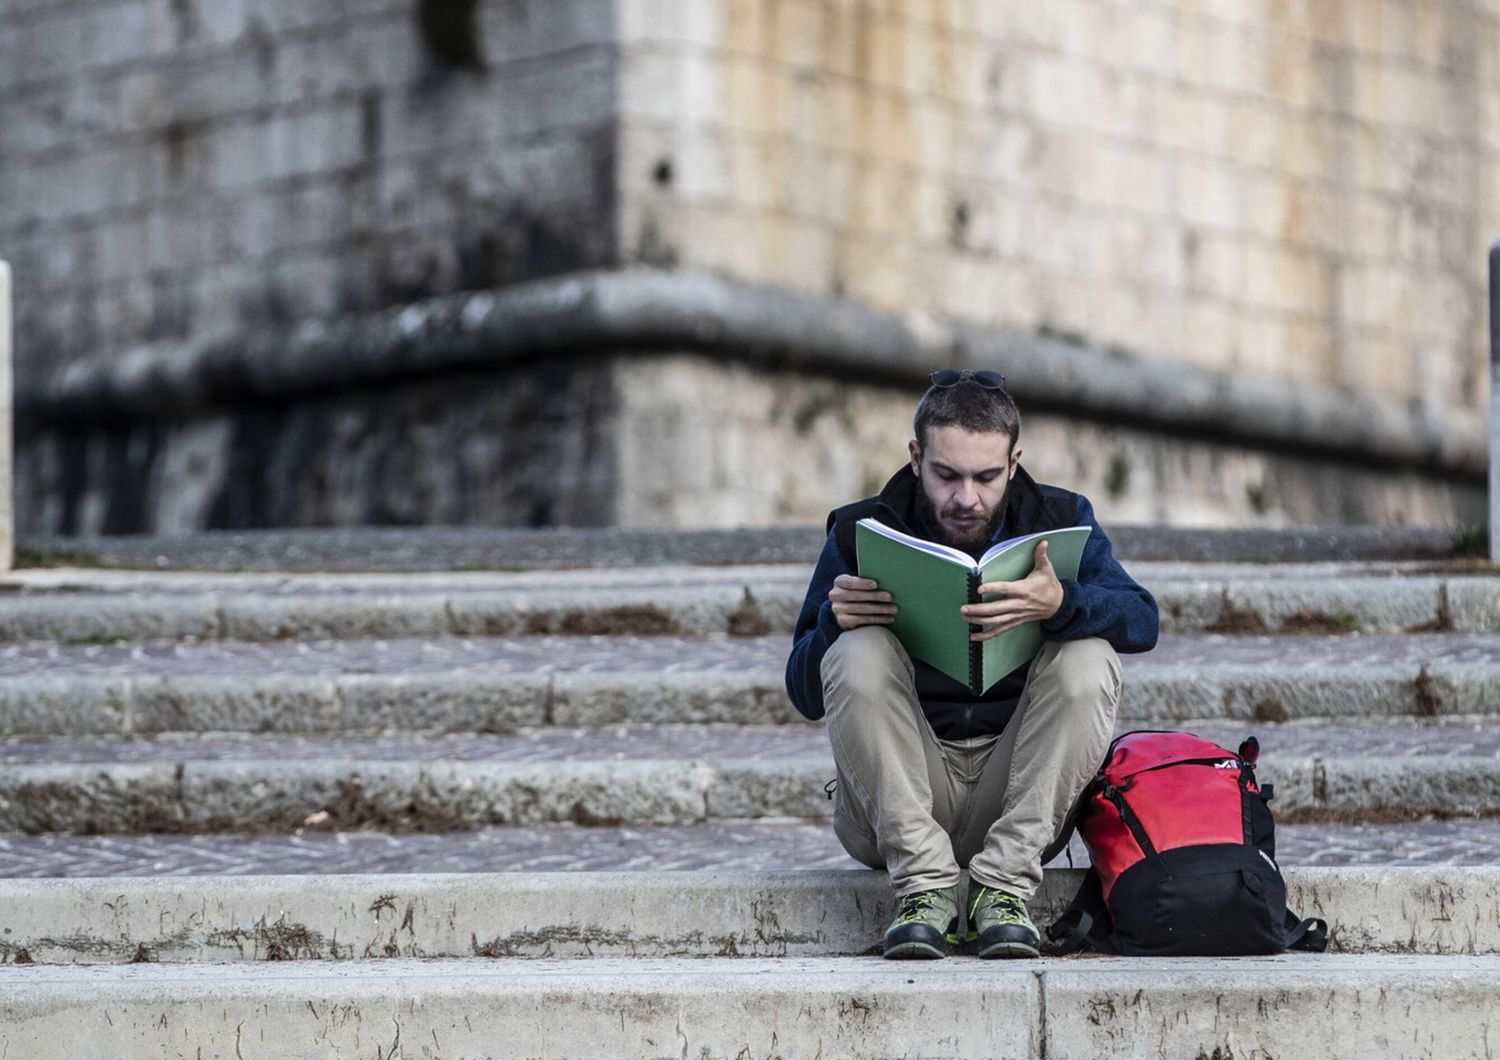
[(914, 905), (1011, 909)]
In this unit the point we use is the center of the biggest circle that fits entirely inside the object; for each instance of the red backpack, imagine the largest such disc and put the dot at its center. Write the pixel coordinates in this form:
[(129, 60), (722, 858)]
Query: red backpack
[(1184, 855)]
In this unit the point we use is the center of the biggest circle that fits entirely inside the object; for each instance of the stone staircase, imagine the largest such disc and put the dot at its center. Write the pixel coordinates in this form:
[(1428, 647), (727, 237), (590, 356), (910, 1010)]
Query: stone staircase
[(420, 749)]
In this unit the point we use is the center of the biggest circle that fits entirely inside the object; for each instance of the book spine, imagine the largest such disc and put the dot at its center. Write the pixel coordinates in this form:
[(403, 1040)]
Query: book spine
[(976, 648)]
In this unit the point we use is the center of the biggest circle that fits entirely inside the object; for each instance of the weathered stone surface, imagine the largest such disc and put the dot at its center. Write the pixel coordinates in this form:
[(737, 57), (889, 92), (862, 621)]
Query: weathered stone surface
[(614, 1007), (1295, 1005), (634, 914), (1399, 1006), (98, 605), (431, 548), (419, 785)]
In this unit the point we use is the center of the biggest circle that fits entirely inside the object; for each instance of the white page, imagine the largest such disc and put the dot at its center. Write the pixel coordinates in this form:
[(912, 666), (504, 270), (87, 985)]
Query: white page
[(995, 550), (932, 548)]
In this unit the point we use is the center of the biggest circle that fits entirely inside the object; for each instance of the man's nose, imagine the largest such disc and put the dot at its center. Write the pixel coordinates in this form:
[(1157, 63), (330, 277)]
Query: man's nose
[(967, 495)]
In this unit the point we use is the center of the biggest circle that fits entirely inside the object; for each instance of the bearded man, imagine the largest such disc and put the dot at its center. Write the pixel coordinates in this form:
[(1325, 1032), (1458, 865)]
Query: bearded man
[(932, 778)]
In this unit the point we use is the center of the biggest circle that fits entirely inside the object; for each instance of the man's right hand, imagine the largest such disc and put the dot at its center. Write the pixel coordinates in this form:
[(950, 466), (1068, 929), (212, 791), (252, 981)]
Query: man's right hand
[(860, 602)]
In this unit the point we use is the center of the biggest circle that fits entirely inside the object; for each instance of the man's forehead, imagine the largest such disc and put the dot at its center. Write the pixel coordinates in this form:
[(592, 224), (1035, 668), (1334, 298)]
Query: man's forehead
[(965, 450)]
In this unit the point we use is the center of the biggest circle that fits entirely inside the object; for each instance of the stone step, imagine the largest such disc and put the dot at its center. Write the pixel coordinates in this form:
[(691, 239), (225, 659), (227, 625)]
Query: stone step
[(1395, 769), (1292, 1005), (764, 844), (85, 606), (628, 914), (467, 548), (499, 684)]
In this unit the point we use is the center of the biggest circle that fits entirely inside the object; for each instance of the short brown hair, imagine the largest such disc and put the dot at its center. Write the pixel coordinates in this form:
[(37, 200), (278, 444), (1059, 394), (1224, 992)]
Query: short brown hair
[(970, 406)]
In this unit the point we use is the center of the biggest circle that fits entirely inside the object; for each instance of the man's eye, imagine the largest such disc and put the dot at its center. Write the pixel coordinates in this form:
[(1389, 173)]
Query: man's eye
[(946, 477), (987, 479)]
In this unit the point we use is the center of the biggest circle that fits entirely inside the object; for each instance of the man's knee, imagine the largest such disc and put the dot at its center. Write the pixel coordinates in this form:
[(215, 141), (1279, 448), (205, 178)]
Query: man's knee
[(862, 663), (1086, 671)]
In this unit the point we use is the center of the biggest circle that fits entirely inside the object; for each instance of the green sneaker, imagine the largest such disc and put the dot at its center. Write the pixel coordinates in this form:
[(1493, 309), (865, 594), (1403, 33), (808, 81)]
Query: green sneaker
[(1000, 925), (926, 926)]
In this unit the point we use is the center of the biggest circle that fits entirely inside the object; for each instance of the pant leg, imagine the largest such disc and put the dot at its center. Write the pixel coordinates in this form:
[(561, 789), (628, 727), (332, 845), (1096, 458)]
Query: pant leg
[(895, 795), (1047, 754)]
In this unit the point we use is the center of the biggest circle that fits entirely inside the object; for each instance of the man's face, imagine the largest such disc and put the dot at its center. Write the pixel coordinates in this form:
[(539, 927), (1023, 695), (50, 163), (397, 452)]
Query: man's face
[(964, 476)]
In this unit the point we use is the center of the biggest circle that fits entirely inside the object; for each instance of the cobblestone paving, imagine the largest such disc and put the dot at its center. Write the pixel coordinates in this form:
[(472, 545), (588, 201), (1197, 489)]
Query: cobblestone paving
[(1446, 737), (565, 848), (705, 654)]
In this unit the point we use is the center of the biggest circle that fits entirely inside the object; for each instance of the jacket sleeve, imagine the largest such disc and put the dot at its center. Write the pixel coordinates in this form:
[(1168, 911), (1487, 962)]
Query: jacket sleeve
[(1103, 601), (817, 629)]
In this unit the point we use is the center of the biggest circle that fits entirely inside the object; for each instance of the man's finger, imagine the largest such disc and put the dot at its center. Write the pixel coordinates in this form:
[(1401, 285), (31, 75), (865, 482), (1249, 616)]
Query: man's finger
[(851, 581), (866, 609), (999, 589), (858, 596), (1039, 557), (989, 633)]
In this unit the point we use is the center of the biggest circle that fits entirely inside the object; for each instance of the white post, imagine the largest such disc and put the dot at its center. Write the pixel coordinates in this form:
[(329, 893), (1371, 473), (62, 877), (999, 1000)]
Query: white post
[(1495, 402), (7, 519)]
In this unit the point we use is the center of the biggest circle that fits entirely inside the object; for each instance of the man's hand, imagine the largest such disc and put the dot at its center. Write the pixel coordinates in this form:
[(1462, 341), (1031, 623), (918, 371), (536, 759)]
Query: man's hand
[(859, 602), (1035, 597)]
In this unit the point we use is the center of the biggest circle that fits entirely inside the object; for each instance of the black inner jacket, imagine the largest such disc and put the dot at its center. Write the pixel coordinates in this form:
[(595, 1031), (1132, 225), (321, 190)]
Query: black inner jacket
[(952, 710)]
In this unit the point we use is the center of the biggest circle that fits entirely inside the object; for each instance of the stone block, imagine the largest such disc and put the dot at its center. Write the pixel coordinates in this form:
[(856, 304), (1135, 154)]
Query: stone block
[(1270, 1006), (559, 1009), (7, 455)]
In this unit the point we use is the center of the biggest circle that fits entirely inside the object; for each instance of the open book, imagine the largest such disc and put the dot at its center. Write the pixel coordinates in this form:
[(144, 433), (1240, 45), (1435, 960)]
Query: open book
[(929, 582)]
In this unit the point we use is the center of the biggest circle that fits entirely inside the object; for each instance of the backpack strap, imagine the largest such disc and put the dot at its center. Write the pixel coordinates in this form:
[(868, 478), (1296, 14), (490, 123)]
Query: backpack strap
[(1310, 934), (1085, 923)]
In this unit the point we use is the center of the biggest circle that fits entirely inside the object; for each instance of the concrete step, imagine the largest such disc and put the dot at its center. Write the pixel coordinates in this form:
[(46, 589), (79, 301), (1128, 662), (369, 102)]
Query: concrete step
[(1293, 1005), (629, 914), (467, 548), (759, 845), (1388, 770), (500, 684), (85, 606)]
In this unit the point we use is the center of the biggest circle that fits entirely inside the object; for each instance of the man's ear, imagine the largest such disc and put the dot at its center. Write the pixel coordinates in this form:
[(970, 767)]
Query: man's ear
[(1015, 460), (915, 452)]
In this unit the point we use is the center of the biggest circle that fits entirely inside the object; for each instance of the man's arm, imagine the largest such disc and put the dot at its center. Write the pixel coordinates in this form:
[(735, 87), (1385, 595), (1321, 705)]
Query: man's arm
[(1103, 601), (817, 629)]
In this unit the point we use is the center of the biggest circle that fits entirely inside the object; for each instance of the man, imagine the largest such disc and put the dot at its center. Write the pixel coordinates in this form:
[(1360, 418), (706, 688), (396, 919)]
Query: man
[(932, 778)]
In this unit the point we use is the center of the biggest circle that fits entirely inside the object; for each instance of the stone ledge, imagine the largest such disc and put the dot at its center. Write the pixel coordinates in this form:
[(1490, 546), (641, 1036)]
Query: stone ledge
[(1294, 1005), (647, 310), (629, 914), (479, 548)]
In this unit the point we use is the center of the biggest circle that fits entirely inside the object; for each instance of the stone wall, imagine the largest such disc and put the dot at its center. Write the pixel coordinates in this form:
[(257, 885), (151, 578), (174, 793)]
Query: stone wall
[(1298, 192), (174, 169), (1302, 190)]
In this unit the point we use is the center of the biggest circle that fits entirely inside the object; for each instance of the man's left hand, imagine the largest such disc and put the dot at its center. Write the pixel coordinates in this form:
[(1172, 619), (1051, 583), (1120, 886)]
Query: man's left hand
[(1035, 597)]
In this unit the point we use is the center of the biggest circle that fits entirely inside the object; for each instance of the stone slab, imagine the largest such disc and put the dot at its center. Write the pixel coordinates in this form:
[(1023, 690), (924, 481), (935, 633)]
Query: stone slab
[(635, 914), (500, 684), (173, 789), (1297, 1005), (93, 605), (471, 548), (1294, 1005)]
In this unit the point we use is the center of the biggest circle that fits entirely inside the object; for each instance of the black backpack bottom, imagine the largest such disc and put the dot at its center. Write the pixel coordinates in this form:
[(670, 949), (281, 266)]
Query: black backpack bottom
[(1204, 901)]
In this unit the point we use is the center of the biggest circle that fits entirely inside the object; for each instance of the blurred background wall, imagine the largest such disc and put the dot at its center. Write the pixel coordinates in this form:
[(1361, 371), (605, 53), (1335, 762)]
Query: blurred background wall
[(687, 262)]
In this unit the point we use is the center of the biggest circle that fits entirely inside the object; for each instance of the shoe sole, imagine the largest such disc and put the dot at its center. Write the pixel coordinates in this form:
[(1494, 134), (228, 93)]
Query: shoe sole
[(914, 951), (1009, 949)]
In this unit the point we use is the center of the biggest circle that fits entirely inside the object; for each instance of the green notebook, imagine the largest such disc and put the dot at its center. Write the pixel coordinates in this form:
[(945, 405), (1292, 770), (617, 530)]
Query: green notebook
[(929, 582)]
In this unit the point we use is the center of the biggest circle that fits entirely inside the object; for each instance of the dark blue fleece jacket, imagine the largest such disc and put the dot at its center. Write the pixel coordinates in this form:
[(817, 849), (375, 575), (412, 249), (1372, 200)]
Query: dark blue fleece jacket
[(1103, 601)]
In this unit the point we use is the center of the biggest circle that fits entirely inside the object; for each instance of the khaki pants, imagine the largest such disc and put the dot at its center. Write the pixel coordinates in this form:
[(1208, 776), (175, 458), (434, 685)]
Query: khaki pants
[(922, 807)]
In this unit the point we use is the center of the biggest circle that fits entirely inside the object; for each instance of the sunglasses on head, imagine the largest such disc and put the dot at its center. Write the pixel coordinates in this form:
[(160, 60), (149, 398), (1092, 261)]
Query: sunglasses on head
[(947, 377)]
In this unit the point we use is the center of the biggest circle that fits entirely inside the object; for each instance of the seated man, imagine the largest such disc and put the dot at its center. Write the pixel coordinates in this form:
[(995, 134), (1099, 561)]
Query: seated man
[(932, 778)]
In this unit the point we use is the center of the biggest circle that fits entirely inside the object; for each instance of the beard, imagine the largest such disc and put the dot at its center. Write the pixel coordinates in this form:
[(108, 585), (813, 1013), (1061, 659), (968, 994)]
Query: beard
[(975, 539)]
